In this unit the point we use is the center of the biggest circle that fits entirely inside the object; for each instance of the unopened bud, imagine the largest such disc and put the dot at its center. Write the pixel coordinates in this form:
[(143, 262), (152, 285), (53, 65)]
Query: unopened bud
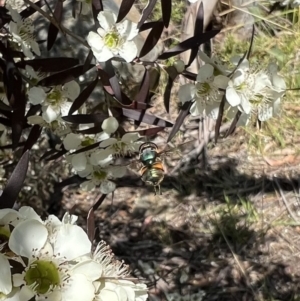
[(179, 65)]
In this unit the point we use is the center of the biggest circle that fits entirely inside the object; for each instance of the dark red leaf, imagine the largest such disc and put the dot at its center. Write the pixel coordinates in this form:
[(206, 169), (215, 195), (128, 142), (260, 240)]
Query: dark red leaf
[(219, 118), (5, 121), (87, 148), (53, 30), (53, 64), (63, 77), (15, 183), (90, 225), (28, 11), (32, 137), (4, 107), (87, 62), (199, 24), (83, 96), (84, 119), (124, 9), (172, 74), (97, 6), (48, 154), (143, 94), (152, 38), (33, 110), (166, 8), (57, 155), (146, 12), (4, 16), (149, 132), (188, 44), (149, 119), (18, 122), (138, 106), (147, 26), (180, 118), (233, 124), (251, 42)]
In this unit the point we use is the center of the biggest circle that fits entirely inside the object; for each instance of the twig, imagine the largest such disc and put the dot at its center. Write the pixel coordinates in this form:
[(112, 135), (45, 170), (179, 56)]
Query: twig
[(59, 26), (195, 152), (285, 201)]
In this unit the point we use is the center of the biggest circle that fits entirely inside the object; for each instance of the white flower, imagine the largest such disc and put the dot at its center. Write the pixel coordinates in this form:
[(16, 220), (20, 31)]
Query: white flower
[(5, 274), (110, 125), (55, 103), (127, 145), (205, 93), (52, 248), (193, 1), (255, 94), (23, 33), (59, 127), (113, 285), (113, 39), (101, 176)]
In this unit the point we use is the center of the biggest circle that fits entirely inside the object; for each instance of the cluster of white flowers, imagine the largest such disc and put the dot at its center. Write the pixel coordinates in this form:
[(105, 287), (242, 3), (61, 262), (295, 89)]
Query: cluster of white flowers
[(113, 39), (96, 165), (22, 32), (53, 260), (252, 92), (292, 3)]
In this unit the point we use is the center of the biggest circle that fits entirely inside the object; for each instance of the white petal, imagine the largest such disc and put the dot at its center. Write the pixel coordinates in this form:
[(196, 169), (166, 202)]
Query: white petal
[(265, 113), (35, 119), (232, 97), (35, 47), (261, 81), (29, 213), (26, 293), (13, 296), (187, 92), (106, 19), (127, 29), (80, 289), (130, 137), (205, 73), (5, 276), (221, 81), (245, 104), (95, 41), (110, 125), (108, 142), (72, 141), (128, 51), (238, 78), (71, 242), (91, 269), (26, 50), (79, 161), (26, 236), (49, 114), (101, 157), (107, 187), (36, 95), (117, 171), (197, 108), (103, 55), (87, 171), (72, 90), (212, 111)]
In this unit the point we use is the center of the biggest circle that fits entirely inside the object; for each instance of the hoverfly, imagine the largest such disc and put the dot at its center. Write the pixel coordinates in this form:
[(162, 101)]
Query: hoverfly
[(152, 172)]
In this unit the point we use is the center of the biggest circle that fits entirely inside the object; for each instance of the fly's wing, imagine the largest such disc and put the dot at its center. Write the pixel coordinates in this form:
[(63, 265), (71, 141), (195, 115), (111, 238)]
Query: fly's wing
[(177, 150)]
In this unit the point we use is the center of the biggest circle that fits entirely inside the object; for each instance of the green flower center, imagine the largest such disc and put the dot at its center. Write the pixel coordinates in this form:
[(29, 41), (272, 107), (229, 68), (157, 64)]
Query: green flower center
[(203, 89), (111, 40), (100, 175), (87, 141), (43, 275), (54, 97)]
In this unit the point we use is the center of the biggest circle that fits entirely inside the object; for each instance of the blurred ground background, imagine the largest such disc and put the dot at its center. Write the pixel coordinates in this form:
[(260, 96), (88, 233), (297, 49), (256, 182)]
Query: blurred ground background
[(227, 224)]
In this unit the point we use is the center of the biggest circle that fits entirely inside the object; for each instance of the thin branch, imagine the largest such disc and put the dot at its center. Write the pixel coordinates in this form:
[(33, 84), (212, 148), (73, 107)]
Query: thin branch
[(59, 26)]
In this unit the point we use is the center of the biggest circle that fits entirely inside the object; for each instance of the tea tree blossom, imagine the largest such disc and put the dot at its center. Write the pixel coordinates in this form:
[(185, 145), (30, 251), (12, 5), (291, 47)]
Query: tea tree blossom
[(49, 253), (113, 39), (55, 102), (126, 145), (206, 94), (22, 32), (255, 93), (113, 284)]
